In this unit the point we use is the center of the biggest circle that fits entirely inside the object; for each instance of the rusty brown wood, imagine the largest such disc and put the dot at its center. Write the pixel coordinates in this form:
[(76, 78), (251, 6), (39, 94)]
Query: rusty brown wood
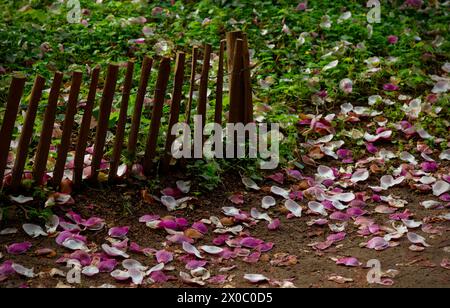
[(120, 130), (140, 97), (69, 120), (27, 132), (84, 129), (231, 38), (192, 83), (12, 107), (175, 107), (103, 120), (42, 152), (248, 93), (203, 88), (160, 93), (236, 88), (219, 86)]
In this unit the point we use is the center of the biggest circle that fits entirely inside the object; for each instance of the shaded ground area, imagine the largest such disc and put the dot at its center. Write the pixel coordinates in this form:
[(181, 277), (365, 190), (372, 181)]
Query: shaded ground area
[(309, 268)]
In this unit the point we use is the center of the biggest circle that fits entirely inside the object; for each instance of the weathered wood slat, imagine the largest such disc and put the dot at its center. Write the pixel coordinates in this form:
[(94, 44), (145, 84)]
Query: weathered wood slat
[(120, 130), (42, 152), (175, 107), (83, 135), (219, 85), (192, 84), (9, 119), (140, 97), (69, 120), (160, 93), (103, 120), (203, 89)]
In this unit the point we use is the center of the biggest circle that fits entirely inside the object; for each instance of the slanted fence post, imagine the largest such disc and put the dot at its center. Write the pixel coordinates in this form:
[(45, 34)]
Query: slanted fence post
[(120, 130), (42, 152), (175, 108), (158, 103), (192, 84), (103, 120), (83, 135), (69, 120), (9, 119), (27, 132), (203, 89), (139, 103)]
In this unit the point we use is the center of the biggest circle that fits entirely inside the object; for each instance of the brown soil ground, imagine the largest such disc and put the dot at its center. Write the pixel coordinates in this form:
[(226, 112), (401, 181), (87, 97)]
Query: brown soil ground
[(123, 205)]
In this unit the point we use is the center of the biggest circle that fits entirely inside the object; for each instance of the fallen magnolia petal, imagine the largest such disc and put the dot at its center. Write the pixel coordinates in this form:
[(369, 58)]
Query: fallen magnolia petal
[(360, 175), (445, 263), (169, 202), (293, 207), (114, 252), (164, 256), (118, 232), (21, 199), (377, 243), (416, 248), (130, 264), (94, 224), (90, 271), (417, 239), (212, 250), (52, 224), (317, 207), (8, 231), (373, 138), (440, 188), (339, 279), (268, 202), (23, 271), (74, 244), (256, 278), (237, 199), (351, 261), (249, 183), (430, 204), (157, 268), (137, 276), (260, 216), (33, 230), (445, 155), (18, 248), (388, 181), (279, 192), (120, 275), (190, 249), (184, 186), (189, 280), (274, 225), (408, 157), (411, 223)]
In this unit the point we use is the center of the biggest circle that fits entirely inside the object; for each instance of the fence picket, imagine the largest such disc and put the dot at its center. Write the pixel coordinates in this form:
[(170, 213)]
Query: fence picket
[(9, 119), (27, 132)]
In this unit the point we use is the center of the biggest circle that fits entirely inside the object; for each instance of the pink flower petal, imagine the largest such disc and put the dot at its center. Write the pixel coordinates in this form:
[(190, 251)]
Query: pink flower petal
[(18, 248), (164, 256), (118, 232)]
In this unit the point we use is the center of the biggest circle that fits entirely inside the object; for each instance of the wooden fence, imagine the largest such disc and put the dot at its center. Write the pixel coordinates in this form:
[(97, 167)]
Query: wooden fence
[(240, 110)]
